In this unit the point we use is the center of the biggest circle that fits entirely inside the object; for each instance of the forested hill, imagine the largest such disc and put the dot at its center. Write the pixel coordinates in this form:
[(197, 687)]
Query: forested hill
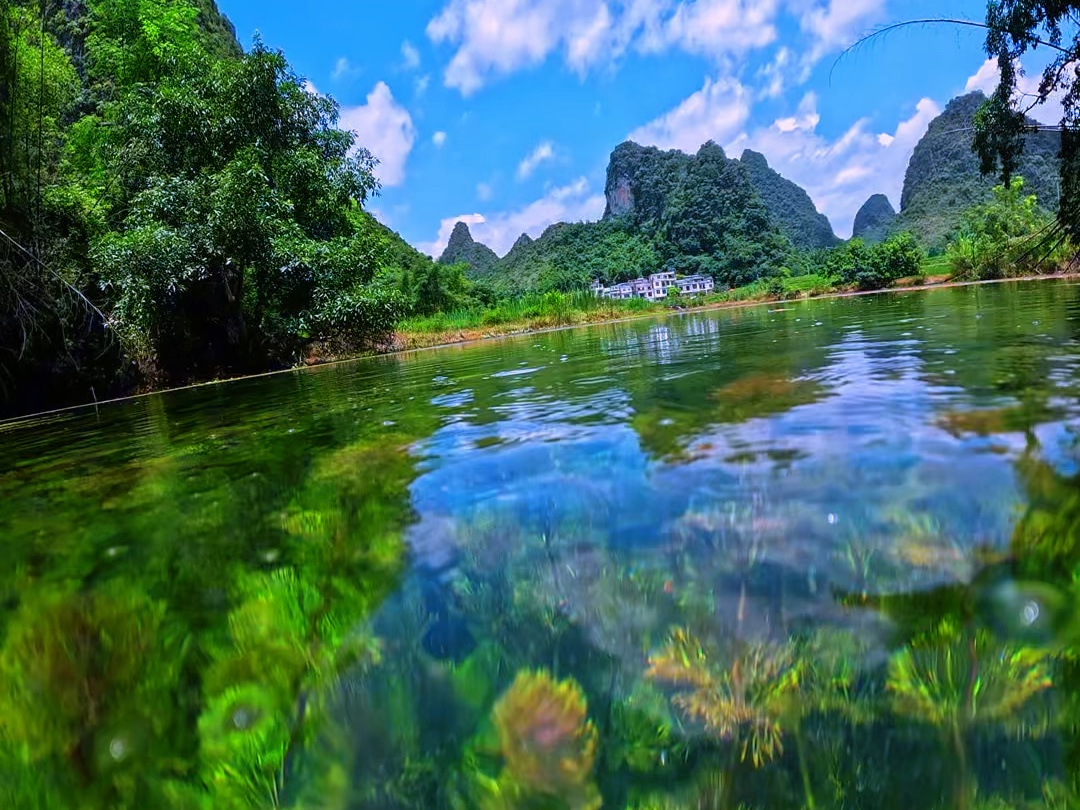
[(174, 208), (943, 178), (789, 204), (688, 213), (659, 198), (874, 220), (642, 180), (221, 33), (463, 249)]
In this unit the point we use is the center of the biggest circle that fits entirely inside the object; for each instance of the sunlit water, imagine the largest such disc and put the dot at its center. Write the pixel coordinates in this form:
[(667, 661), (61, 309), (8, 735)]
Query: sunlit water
[(814, 555)]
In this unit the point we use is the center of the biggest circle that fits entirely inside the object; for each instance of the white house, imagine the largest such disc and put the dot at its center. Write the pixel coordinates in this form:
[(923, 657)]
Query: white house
[(696, 285), (655, 287)]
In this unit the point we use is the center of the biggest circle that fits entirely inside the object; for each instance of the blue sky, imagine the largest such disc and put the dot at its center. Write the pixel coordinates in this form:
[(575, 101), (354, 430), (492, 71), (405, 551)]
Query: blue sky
[(503, 113)]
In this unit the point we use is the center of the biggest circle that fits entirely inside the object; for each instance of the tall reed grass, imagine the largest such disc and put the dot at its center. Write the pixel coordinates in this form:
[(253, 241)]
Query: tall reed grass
[(547, 309)]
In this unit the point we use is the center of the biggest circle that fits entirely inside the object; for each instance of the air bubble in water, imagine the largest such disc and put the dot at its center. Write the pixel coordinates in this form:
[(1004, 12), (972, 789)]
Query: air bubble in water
[(242, 719), (118, 749)]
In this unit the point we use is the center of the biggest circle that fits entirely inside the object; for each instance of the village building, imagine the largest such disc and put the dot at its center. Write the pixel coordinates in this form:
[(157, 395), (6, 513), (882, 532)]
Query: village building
[(655, 287)]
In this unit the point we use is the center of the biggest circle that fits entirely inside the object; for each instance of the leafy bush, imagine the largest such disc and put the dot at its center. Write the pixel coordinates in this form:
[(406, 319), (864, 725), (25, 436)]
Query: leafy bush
[(874, 267), (1008, 236)]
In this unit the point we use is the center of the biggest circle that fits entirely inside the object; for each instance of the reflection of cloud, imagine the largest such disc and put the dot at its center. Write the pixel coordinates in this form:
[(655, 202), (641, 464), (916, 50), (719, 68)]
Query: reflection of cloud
[(543, 475)]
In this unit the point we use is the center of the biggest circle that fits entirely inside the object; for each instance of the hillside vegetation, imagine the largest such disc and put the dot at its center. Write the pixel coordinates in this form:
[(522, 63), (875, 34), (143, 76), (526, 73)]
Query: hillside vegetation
[(665, 210), (944, 180), (463, 249), (789, 205), (874, 220)]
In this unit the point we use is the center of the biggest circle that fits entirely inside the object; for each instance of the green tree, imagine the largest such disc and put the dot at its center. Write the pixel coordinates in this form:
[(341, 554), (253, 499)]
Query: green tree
[(48, 329), (434, 287), (716, 223), (873, 267), (1014, 28), (235, 235), (1003, 237)]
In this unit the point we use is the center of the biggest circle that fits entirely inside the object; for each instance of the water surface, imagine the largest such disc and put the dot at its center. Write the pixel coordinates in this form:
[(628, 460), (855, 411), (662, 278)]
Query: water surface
[(814, 555)]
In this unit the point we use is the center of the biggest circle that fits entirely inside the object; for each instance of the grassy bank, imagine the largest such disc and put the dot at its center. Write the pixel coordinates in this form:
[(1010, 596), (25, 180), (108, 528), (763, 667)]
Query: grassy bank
[(535, 313), (553, 310), (525, 314)]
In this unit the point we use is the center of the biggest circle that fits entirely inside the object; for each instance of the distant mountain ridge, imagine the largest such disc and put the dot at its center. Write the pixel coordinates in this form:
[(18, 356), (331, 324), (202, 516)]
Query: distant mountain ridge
[(789, 204), (463, 249), (710, 213), (874, 219)]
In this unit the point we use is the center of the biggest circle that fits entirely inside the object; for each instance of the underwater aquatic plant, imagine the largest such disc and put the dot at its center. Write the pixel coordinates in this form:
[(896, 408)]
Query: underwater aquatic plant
[(87, 685), (547, 742), (762, 394), (285, 644), (641, 736), (956, 678), (952, 677), (742, 703)]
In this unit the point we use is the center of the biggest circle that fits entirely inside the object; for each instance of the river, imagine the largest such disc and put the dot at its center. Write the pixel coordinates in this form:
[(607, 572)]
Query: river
[(817, 554)]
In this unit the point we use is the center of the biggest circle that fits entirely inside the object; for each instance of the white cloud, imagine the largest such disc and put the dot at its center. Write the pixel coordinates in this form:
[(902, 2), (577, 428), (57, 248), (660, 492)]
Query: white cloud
[(718, 27), (571, 203), (806, 119), (717, 112), (988, 77), (493, 38), (837, 23), (410, 56), (421, 84), (309, 87), (343, 68), (439, 139), (497, 37), (541, 154), (386, 128), (780, 73), (484, 191)]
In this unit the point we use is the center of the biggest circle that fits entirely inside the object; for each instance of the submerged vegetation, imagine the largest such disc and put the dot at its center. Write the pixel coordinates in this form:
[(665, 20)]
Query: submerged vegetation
[(806, 560), (288, 593)]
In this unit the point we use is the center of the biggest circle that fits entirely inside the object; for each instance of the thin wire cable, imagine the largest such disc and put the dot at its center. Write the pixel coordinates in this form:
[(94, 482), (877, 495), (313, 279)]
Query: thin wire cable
[(58, 277)]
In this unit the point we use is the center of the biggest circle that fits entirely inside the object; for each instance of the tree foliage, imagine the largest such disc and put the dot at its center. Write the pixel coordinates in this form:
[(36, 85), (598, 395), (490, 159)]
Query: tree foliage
[(716, 217), (703, 213), (1009, 236), (944, 180), (174, 201), (789, 205), (1016, 27), (568, 256), (870, 267)]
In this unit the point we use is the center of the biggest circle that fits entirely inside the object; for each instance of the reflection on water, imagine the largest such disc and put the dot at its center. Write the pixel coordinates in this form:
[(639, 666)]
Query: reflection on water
[(822, 557)]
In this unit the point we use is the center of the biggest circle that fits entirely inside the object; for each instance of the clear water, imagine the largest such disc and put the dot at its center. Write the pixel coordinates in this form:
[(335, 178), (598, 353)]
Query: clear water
[(817, 556)]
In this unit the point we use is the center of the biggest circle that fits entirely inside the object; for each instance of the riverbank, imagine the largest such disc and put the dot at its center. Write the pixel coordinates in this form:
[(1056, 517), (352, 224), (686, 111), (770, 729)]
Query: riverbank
[(412, 340), (405, 342)]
